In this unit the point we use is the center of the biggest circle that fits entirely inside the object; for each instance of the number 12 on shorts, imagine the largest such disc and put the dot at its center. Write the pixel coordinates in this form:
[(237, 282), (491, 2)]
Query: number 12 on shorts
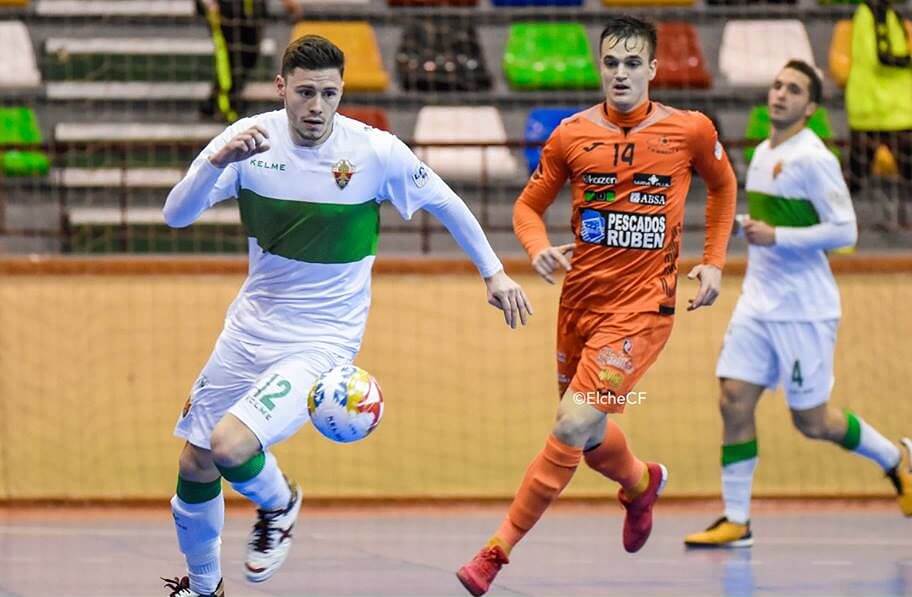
[(280, 388)]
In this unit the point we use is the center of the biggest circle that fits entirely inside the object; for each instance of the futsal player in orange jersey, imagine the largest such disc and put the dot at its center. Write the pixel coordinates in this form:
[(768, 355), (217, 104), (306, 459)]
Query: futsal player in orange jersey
[(629, 162)]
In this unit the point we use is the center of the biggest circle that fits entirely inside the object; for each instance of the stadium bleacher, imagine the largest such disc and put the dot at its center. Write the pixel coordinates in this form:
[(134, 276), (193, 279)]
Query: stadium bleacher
[(131, 88)]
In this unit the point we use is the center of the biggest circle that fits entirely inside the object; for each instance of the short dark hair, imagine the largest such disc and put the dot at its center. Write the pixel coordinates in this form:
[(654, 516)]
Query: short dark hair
[(312, 52), (626, 27), (815, 91)]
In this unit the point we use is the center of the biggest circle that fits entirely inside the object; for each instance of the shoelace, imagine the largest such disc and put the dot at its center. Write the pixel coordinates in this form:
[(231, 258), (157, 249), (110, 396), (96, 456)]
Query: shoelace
[(263, 530), (491, 559), (177, 585)]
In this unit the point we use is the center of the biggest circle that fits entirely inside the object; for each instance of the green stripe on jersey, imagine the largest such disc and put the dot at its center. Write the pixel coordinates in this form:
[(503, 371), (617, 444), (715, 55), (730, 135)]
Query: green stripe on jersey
[(311, 232), (781, 211)]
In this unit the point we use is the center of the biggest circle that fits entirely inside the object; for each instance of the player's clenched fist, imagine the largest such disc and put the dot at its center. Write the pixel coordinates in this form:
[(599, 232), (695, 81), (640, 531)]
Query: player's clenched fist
[(548, 260), (244, 145)]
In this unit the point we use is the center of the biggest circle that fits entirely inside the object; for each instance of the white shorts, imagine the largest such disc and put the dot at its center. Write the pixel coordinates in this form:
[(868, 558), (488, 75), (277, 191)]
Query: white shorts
[(798, 355), (265, 385)]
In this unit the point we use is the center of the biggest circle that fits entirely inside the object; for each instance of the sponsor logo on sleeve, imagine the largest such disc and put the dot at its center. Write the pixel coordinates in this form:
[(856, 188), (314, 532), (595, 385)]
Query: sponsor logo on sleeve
[(606, 196), (717, 150), (647, 198), (420, 176), (646, 179), (600, 179), (622, 229)]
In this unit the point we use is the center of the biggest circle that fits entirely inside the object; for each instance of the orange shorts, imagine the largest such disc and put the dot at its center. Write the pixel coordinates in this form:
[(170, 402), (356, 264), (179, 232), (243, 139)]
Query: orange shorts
[(604, 355)]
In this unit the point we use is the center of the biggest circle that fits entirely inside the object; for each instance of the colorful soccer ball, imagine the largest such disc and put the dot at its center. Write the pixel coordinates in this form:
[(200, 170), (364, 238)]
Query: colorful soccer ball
[(345, 404)]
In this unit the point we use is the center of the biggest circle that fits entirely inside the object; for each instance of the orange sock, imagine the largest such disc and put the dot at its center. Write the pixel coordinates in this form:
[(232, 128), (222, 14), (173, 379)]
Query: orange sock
[(545, 478), (614, 459)]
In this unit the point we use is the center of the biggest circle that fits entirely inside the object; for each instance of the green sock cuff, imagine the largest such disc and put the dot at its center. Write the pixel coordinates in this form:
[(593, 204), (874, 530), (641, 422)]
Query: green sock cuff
[(246, 471), (853, 431), (733, 453), (197, 493)]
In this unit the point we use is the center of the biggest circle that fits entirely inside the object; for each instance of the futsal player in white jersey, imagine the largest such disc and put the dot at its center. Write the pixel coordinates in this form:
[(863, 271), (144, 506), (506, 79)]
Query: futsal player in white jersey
[(309, 184), (783, 330)]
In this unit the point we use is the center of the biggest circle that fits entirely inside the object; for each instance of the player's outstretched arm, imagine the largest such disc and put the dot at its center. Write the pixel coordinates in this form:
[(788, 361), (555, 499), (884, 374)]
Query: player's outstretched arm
[(502, 291), (210, 179), (712, 164)]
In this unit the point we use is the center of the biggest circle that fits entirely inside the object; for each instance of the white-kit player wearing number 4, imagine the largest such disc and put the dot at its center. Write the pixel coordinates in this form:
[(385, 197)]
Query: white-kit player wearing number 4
[(309, 184), (783, 330)]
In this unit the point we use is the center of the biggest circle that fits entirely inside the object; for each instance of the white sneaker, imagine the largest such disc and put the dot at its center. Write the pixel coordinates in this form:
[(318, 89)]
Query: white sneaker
[(180, 587), (270, 539)]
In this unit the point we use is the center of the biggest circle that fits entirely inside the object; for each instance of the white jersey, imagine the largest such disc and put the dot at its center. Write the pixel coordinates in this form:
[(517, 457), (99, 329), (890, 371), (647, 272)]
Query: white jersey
[(797, 184), (312, 216)]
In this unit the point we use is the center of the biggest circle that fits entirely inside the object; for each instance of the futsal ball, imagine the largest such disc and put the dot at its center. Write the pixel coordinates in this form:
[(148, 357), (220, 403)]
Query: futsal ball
[(345, 404)]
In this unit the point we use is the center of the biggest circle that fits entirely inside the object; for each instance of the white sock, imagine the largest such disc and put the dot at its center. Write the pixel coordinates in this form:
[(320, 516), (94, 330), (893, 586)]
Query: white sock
[(875, 446), (268, 489), (199, 529), (737, 479)]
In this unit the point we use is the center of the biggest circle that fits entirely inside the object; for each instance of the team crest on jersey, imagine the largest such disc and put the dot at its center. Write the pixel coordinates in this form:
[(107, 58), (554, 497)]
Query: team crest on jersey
[(343, 172), (777, 169), (663, 145)]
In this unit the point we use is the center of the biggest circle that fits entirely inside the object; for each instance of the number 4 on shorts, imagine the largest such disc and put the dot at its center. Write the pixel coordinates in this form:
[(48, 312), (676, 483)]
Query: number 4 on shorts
[(796, 374)]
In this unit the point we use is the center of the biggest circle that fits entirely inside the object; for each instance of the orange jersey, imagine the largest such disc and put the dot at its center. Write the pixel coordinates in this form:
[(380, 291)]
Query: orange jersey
[(629, 187)]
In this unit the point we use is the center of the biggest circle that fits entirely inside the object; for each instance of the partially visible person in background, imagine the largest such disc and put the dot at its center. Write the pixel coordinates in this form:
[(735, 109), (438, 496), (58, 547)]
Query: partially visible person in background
[(236, 27), (879, 103)]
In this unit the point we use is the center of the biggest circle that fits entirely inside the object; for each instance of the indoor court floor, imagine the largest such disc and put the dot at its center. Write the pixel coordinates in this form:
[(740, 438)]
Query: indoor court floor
[(821, 549)]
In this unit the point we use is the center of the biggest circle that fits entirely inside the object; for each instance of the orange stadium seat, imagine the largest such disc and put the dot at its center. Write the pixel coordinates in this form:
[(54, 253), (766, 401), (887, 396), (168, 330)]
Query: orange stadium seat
[(681, 61), (376, 117), (363, 64), (14, 2)]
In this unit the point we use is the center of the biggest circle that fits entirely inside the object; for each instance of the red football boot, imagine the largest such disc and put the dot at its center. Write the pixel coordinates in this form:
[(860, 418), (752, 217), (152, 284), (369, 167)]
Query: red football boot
[(477, 575), (638, 522)]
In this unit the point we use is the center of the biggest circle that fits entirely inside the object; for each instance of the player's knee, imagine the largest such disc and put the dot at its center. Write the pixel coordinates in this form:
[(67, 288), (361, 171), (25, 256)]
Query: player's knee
[(229, 450), (195, 464), (573, 430), (734, 407)]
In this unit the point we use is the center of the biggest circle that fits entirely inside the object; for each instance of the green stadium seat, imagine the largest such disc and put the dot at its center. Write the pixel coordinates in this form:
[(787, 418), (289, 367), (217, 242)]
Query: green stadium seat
[(18, 126), (549, 56), (758, 128)]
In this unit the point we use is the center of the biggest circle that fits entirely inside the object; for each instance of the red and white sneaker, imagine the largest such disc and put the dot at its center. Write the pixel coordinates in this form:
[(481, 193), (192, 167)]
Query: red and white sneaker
[(477, 575), (638, 522), (270, 539)]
